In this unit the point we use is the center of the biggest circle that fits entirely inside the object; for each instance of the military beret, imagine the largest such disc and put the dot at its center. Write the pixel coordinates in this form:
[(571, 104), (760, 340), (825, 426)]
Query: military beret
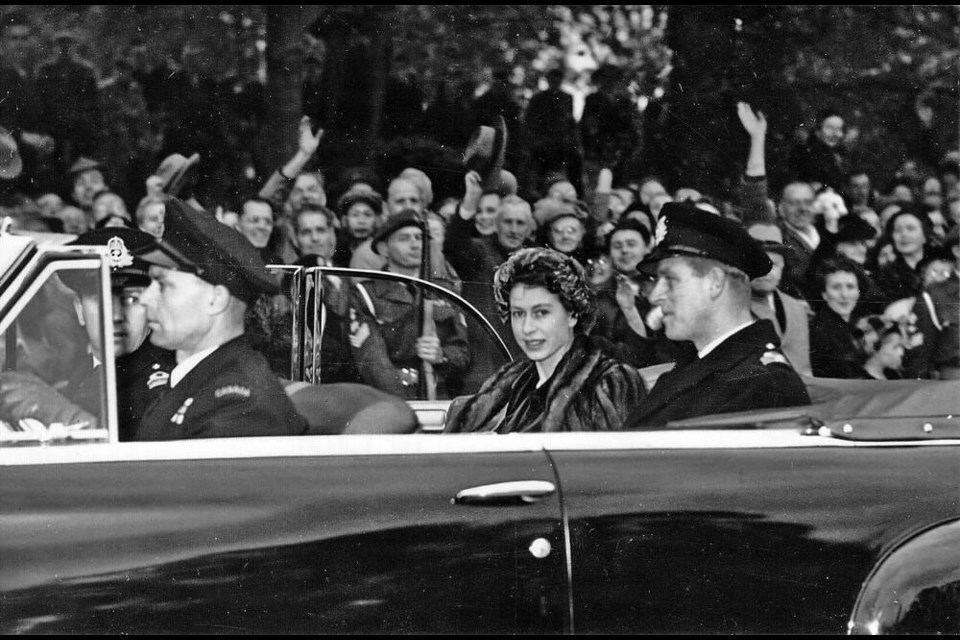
[(197, 242), (126, 269), (406, 218), (684, 230)]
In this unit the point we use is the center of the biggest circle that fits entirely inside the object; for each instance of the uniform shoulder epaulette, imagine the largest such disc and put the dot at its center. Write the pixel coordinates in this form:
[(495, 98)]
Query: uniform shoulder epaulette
[(772, 355)]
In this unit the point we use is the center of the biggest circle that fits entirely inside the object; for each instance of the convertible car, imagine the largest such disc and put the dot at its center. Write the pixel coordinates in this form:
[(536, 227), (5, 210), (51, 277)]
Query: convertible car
[(843, 516)]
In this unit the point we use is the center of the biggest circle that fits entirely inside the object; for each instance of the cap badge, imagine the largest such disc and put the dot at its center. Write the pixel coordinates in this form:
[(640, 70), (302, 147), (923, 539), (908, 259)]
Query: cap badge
[(120, 256), (661, 232)]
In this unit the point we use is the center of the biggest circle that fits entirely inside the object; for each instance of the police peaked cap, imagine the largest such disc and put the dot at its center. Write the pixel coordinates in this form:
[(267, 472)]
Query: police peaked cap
[(196, 242), (126, 269), (684, 230)]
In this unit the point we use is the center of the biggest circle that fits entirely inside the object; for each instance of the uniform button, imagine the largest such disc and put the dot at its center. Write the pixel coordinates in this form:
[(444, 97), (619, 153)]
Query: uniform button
[(770, 345)]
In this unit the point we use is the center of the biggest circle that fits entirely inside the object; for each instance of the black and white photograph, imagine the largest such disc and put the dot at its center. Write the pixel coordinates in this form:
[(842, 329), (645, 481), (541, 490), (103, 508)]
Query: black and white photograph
[(479, 319)]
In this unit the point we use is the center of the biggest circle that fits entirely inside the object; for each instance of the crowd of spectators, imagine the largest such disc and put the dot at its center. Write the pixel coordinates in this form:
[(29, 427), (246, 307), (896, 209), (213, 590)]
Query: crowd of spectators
[(865, 278)]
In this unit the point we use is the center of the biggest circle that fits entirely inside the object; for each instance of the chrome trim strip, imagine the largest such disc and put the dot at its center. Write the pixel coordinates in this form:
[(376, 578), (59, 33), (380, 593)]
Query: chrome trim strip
[(425, 444)]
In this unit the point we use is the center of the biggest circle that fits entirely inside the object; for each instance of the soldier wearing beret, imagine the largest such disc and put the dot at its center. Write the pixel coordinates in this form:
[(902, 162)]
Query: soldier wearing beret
[(203, 277), (703, 267), (388, 342)]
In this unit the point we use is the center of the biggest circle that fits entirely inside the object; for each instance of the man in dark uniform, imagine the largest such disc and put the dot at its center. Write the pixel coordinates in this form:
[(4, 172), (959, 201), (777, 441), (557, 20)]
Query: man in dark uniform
[(203, 277), (389, 343), (142, 368), (704, 264)]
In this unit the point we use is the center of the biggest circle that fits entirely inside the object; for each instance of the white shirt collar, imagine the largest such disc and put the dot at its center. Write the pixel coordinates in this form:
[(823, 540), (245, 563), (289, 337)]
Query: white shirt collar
[(716, 342), (183, 368), (810, 235)]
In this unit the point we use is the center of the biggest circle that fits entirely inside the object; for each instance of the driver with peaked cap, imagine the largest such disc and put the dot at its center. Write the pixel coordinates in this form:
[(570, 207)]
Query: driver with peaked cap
[(703, 265), (203, 276)]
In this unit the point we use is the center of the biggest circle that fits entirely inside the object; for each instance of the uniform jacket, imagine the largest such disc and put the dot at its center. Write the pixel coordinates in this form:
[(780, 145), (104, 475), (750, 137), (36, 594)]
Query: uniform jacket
[(142, 377), (746, 371), (589, 391), (387, 359), (231, 392), (791, 319)]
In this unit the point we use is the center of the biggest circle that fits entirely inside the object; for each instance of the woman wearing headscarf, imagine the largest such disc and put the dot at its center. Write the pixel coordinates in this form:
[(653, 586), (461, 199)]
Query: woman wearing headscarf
[(565, 382)]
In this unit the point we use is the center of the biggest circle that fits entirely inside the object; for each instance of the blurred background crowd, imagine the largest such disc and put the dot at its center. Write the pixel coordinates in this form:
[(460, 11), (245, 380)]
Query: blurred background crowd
[(830, 132)]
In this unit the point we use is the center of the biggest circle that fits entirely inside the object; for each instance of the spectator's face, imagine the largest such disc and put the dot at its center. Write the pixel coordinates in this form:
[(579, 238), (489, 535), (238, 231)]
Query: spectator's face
[(86, 186), (403, 194), (314, 235), (18, 43), (856, 251), (109, 204), (796, 206), (902, 193), (566, 234), (649, 189), (859, 186), (627, 249), (404, 248), (841, 292), (307, 189), (438, 231), (908, 236), (684, 297), (932, 193), (831, 131), (74, 220), (513, 226), (256, 223), (176, 304), (130, 320), (487, 212), (769, 282), (890, 353), (50, 205), (562, 190), (152, 218), (361, 220), (541, 325)]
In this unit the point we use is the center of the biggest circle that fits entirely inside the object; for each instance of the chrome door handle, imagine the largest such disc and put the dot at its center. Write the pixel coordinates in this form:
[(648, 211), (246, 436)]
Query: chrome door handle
[(518, 492)]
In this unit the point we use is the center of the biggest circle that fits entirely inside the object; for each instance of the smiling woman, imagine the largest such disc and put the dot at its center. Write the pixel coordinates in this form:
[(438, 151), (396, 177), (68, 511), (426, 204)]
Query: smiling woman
[(565, 383)]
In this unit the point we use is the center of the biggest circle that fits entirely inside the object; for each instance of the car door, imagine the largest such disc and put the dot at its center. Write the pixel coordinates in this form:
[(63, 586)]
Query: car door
[(330, 534), (745, 530)]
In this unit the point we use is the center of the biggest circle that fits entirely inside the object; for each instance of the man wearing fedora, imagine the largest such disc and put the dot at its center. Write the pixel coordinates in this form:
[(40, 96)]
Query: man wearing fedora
[(390, 344), (703, 265), (790, 316)]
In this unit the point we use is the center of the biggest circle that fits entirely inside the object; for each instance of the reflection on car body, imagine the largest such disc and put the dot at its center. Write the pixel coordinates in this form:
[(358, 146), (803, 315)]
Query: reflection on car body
[(840, 516)]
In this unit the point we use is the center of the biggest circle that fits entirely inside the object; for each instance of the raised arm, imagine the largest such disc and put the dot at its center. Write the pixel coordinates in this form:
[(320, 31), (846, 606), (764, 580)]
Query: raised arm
[(307, 144)]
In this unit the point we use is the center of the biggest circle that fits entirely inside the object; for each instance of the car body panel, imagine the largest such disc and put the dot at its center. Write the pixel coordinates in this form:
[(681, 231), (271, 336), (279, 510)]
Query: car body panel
[(756, 540), (349, 542)]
